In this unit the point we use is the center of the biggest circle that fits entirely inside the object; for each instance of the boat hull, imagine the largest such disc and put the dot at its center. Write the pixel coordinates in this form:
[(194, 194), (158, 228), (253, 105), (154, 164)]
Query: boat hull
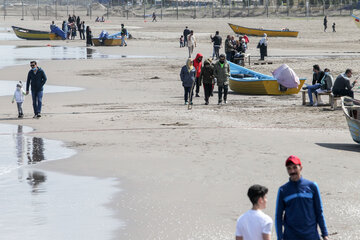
[(352, 115), (107, 42), (260, 32), (356, 20), (261, 87), (29, 34)]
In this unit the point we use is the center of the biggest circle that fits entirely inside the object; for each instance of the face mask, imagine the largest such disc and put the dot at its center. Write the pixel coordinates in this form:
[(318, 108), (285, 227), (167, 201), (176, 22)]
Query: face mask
[(327, 73), (18, 88), (34, 69)]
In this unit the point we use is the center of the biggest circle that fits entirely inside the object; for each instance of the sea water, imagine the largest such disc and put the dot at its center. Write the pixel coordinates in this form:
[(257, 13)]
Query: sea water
[(45, 205)]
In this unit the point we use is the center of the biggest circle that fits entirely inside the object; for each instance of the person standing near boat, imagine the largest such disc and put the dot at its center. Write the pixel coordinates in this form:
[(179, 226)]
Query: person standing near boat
[(342, 86), (299, 209), (222, 74), (123, 35), (262, 45), (36, 79), (217, 41), (187, 76), (88, 36)]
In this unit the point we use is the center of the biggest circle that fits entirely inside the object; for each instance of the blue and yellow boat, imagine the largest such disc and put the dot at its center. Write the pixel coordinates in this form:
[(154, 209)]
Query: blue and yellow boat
[(246, 81), (357, 20), (29, 34)]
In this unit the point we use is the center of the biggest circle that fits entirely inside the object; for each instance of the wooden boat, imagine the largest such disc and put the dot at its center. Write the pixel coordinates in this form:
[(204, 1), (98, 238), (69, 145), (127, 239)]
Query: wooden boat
[(260, 32), (351, 108), (28, 34), (357, 20), (107, 42), (245, 81)]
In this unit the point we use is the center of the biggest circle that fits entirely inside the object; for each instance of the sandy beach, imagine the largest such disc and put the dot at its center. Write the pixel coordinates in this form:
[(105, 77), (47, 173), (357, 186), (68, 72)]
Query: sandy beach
[(184, 174)]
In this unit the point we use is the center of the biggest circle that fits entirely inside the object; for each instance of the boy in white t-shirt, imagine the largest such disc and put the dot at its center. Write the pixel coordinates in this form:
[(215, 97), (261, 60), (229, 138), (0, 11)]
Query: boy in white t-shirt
[(19, 98), (254, 224)]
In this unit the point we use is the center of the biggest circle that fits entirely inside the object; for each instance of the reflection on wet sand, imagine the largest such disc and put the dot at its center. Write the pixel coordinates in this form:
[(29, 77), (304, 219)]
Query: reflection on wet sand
[(34, 179)]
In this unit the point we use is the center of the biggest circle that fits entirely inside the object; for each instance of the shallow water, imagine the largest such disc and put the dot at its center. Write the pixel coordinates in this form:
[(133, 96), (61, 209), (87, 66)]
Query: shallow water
[(18, 55), (44, 205), (7, 88)]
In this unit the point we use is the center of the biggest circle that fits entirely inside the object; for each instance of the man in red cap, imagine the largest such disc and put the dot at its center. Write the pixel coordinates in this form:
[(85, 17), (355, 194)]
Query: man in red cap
[(298, 207)]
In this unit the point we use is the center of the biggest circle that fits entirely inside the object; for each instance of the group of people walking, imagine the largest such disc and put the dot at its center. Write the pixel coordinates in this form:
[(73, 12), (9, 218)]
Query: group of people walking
[(323, 82), (299, 210), (195, 74)]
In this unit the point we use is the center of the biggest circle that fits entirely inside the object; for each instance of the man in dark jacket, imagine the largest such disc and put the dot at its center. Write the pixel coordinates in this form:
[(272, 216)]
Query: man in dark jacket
[(342, 86), (186, 33), (217, 40), (222, 74), (207, 79), (36, 79), (299, 209)]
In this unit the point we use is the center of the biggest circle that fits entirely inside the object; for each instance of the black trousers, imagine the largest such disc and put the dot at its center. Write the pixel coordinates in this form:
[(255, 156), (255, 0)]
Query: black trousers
[(187, 94), (344, 92), (197, 85), (220, 91), (207, 91)]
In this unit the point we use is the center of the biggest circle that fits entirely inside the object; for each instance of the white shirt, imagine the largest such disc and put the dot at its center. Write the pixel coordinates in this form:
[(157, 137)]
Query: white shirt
[(191, 40), (252, 224)]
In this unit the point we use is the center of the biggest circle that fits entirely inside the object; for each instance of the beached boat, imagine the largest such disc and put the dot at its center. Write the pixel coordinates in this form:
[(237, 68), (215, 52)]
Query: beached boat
[(29, 34), (243, 80), (351, 108), (260, 32), (107, 42), (357, 20)]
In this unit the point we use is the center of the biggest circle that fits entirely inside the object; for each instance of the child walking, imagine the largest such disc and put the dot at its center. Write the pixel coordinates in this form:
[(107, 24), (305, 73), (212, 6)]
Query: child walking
[(182, 44), (19, 98)]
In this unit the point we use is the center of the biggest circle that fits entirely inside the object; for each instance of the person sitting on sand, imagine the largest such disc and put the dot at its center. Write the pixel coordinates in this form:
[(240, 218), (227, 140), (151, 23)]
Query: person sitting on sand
[(316, 83), (342, 86)]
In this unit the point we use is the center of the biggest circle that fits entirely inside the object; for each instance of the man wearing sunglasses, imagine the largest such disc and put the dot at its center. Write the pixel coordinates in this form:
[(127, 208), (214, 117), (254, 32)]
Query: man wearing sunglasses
[(36, 79)]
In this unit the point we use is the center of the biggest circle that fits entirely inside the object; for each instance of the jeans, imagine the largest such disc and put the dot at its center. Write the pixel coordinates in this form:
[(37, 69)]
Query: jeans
[(187, 91), (216, 52), (229, 56), (207, 91), (123, 41), (37, 101), (311, 90), (19, 107), (220, 90)]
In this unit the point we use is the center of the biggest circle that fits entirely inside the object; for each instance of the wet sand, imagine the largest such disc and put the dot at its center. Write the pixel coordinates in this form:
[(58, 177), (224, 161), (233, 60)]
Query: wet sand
[(184, 174)]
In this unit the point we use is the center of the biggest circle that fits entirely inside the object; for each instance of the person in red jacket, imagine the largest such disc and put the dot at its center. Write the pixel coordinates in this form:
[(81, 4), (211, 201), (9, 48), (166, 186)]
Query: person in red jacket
[(197, 65)]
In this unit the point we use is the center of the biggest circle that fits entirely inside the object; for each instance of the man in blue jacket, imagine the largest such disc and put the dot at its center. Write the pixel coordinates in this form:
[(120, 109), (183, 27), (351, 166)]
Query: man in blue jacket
[(36, 79), (298, 207)]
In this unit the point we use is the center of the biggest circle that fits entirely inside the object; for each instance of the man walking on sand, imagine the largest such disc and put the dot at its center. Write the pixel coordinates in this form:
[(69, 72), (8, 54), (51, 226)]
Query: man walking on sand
[(222, 74), (191, 42), (299, 208), (254, 224), (186, 34), (36, 79)]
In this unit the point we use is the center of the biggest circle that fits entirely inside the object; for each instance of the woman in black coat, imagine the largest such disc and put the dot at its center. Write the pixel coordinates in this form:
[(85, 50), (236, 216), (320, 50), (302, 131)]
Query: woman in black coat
[(88, 36)]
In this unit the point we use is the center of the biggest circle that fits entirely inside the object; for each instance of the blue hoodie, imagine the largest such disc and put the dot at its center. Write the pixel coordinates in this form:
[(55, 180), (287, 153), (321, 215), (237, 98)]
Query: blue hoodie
[(36, 80), (301, 202)]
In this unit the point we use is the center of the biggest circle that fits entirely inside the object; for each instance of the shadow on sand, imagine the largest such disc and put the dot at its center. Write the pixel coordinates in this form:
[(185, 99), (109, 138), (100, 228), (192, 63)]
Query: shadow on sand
[(341, 146)]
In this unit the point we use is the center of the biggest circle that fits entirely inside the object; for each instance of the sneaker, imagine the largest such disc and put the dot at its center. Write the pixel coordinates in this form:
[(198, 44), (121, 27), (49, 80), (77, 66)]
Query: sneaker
[(19, 116), (206, 103), (186, 103), (304, 88), (225, 101), (219, 103), (309, 104), (38, 116), (35, 116), (315, 105), (197, 95), (191, 103), (212, 94)]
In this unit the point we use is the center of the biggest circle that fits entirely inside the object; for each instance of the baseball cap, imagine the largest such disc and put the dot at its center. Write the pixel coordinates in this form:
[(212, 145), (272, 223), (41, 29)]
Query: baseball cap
[(293, 159)]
